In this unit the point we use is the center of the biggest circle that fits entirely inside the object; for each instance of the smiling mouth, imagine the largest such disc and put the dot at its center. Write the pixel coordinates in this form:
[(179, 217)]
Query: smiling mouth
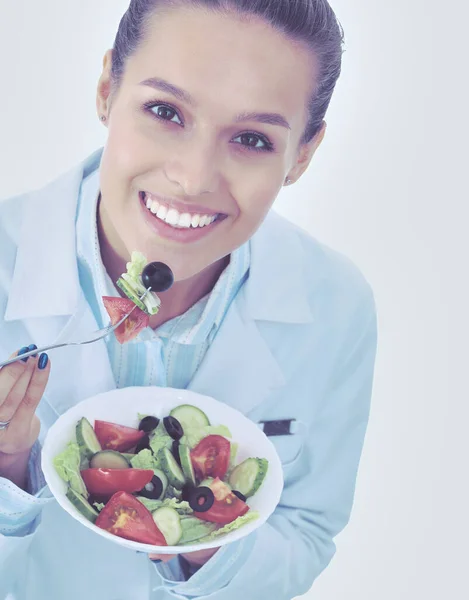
[(176, 219)]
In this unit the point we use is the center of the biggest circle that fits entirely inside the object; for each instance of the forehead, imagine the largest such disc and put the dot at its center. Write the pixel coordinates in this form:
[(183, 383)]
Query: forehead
[(225, 61)]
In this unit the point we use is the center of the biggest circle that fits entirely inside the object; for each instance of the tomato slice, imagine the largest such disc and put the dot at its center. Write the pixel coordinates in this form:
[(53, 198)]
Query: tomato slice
[(105, 482), (226, 508), (128, 518), (117, 437), (133, 325), (211, 457)]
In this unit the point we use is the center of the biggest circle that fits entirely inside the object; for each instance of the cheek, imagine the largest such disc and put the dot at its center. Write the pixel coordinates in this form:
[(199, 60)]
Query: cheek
[(254, 206)]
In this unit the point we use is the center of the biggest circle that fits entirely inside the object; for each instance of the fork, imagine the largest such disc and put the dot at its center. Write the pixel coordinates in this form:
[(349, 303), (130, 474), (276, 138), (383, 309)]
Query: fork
[(93, 337)]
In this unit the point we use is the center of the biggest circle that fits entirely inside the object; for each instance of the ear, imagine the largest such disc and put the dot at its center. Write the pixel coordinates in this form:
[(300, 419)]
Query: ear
[(103, 97), (305, 154)]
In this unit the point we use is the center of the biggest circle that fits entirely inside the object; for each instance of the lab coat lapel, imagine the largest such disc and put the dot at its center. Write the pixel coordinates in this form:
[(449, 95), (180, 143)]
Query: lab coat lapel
[(45, 293), (239, 368)]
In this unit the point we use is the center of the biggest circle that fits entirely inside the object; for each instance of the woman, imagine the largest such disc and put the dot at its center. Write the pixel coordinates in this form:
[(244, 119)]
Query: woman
[(211, 107)]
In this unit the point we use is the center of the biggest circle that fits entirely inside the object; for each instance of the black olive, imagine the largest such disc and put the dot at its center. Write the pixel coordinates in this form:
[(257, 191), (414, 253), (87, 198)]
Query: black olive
[(143, 444), (201, 499), (240, 495), (157, 276), (173, 427), (175, 451), (148, 424), (152, 490), (96, 498)]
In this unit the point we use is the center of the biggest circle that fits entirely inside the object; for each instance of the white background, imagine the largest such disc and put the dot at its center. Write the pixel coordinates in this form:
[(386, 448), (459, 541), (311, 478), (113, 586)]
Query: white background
[(389, 189)]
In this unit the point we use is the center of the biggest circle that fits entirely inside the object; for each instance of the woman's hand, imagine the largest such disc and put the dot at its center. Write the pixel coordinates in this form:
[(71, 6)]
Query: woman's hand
[(197, 559), (22, 386)]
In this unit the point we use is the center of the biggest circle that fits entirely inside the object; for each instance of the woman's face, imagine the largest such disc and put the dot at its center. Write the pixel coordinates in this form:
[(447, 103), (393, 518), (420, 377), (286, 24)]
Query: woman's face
[(189, 172)]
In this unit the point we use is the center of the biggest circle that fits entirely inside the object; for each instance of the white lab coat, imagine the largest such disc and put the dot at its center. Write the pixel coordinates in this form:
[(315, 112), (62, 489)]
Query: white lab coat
[(298, 342)]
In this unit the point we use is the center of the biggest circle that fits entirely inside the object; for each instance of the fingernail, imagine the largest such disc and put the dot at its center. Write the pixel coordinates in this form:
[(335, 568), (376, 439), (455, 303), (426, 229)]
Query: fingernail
[(31, 348), (23, 351), (43, 360), (155, 560)]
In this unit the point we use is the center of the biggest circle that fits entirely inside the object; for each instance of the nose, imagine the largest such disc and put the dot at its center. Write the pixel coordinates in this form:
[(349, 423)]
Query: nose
[(194, 167)]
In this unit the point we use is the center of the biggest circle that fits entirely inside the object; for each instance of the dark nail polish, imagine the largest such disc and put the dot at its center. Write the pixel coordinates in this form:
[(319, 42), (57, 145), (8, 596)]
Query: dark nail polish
[(43, 360), (23, 351), (155, 560), (31, 348)]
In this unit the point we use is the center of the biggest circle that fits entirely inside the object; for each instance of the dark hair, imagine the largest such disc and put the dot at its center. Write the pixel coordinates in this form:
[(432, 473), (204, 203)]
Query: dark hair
[(312, 22)]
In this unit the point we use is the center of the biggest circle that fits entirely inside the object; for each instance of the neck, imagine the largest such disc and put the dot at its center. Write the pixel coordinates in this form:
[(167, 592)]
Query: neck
[(182, 294)]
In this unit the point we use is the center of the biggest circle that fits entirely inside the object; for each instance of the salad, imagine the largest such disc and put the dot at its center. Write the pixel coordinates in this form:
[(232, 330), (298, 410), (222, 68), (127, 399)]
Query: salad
[(140, 284), (172, 481)]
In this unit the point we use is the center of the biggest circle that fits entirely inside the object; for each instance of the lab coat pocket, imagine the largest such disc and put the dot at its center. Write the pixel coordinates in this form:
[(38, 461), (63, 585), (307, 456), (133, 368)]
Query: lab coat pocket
[(289, 448)]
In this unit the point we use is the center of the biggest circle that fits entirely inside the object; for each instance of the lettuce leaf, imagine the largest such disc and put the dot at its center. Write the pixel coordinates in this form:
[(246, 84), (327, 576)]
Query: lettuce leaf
[(160, 439), (136, 265), (182, 507), (236, 524), (145, 460), (67, 464)]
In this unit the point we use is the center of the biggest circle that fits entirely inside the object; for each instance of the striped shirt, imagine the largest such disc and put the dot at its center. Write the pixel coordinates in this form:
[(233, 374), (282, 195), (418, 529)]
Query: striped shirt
[(170, 355)]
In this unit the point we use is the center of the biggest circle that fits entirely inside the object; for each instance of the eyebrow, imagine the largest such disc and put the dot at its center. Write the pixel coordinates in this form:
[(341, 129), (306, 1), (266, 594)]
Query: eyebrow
[(262, 117)]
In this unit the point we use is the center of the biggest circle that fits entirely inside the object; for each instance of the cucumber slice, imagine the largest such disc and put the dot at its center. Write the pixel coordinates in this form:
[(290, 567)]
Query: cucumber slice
[(82, 505), (168, 522), (207, 482), (248, 477), (190, 416), (134, 289), (164, 481), (186, 463), (171, 468), (86, 438), (109, 459), (193, 529), (130, 293)]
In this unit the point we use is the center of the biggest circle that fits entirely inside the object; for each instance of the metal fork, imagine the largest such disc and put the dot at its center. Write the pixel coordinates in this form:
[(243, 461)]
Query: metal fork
[(93, 337)]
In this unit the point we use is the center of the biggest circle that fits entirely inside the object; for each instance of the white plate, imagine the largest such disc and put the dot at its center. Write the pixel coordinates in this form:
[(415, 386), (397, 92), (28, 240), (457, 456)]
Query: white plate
[(121, 406)]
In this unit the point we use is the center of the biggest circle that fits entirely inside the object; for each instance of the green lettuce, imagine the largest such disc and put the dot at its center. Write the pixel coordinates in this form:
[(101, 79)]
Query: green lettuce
[(236, 524), (145, 460), (67, 464), (99, 506), (160, 439), (136, 265), (182, 507)]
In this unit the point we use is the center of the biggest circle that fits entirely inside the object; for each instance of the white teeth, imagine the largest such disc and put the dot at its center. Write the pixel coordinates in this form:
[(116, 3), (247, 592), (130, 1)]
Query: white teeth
[(185, 220), (172, 217), (162, 212)]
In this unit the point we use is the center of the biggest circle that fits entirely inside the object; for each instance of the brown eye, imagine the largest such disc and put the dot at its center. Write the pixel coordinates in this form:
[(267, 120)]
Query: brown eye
[(254, 141), (164, 112)]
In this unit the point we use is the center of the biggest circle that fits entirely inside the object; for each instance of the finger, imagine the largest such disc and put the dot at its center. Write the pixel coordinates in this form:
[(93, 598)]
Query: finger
[(18, 391), (35, 391), (162, 557), (9, 375)]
